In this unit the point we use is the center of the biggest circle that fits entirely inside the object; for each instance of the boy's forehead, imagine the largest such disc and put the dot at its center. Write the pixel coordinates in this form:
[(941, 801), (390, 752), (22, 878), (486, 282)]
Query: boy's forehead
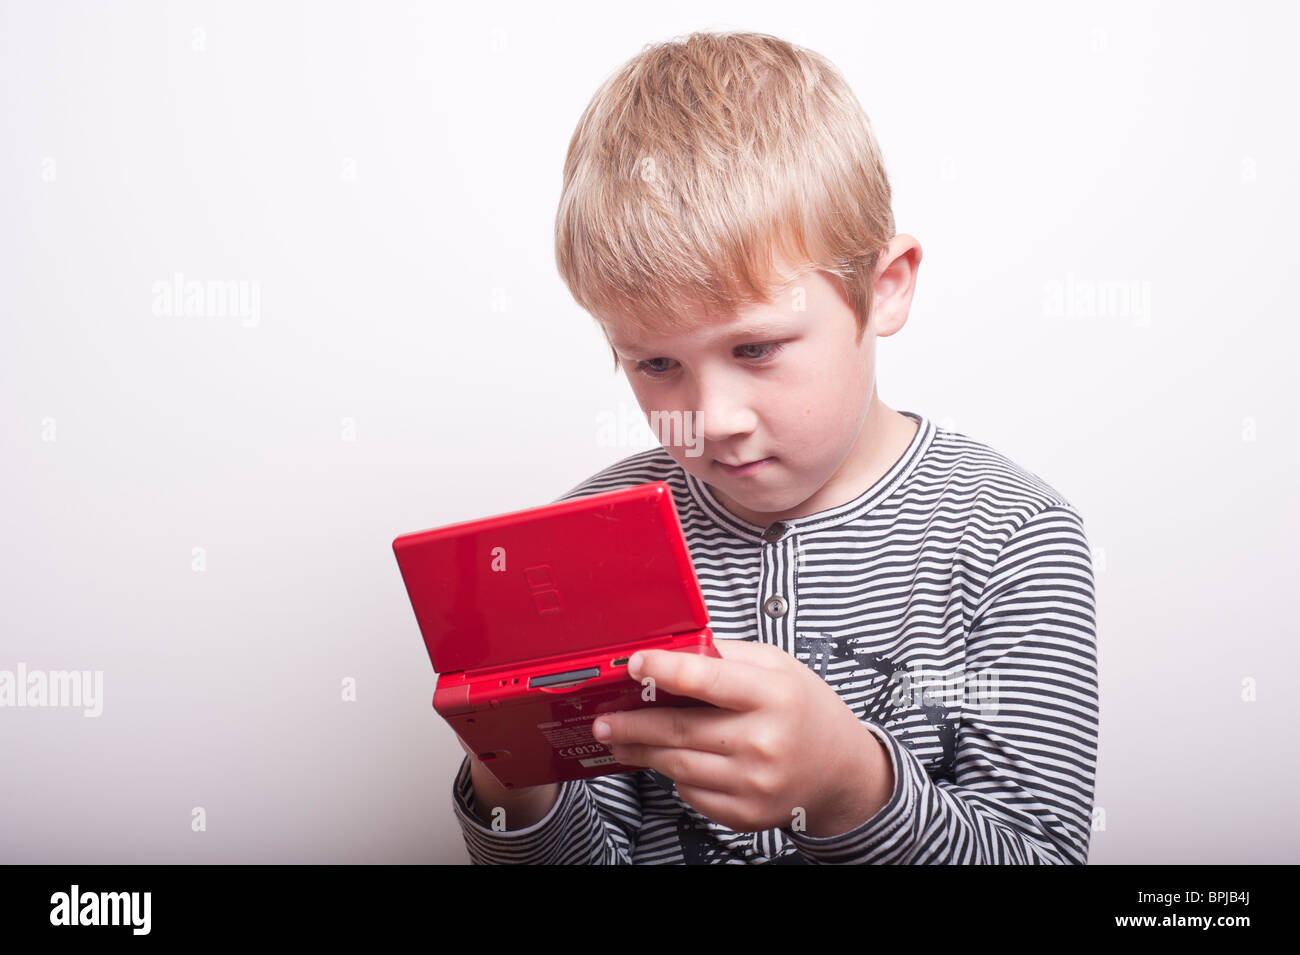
[(631, 333), (697, 326)]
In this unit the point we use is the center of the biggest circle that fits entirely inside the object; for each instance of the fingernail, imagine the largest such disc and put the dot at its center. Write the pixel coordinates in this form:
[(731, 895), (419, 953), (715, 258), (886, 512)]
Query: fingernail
[(600, 729), (634, 664)]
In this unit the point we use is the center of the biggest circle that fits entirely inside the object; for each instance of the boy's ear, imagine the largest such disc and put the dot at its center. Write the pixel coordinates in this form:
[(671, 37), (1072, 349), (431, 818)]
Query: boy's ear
[(891, 297)]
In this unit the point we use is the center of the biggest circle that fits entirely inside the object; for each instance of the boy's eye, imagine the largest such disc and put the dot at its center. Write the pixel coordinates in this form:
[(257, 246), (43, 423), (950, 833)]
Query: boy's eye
[(773, 348), (649, 369), (645, 369)]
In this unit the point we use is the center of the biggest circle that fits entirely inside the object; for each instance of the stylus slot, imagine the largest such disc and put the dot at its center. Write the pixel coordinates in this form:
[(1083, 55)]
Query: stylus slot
[(568, 676)]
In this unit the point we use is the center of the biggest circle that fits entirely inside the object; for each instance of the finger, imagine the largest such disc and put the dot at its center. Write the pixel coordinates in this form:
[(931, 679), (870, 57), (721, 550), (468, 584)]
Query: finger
[(685, 767), (730, 684), (753, 653), (727, 808), (679, 727)]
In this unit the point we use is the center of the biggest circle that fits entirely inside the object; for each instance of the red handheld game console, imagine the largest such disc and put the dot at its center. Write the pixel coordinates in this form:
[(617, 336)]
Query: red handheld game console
[(530, 618)]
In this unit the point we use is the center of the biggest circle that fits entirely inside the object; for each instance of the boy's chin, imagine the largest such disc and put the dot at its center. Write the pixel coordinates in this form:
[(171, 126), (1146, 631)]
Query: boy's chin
[(765, 506)]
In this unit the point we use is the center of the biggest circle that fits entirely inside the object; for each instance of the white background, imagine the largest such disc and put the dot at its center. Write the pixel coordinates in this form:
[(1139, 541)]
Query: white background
[(386, 176)]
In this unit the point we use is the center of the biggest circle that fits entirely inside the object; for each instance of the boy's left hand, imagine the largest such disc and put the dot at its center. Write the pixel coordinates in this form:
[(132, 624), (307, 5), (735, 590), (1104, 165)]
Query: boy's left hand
[(781, 748)]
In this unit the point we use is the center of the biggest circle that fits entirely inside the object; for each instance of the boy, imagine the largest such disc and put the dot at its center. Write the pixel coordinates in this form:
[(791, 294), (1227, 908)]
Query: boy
[(906, 618)]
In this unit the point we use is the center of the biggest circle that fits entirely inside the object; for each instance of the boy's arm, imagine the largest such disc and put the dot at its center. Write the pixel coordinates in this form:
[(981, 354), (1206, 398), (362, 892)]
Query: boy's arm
[(1023, 775), (594, 821)]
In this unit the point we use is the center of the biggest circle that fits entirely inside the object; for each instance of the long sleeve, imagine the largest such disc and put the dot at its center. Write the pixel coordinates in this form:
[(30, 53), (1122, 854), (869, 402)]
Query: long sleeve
[(594, 821), (1023, 777)]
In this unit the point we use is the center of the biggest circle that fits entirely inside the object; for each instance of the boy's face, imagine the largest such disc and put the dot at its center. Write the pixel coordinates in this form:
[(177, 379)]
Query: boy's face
[(789, 383)]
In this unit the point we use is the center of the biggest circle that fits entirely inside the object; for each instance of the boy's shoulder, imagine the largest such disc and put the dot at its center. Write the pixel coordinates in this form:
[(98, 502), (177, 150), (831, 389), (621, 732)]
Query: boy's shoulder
[(653, 464), (962, 456)]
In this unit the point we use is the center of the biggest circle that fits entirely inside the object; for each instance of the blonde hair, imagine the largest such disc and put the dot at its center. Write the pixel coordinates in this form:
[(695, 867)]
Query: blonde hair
[(703, 161)]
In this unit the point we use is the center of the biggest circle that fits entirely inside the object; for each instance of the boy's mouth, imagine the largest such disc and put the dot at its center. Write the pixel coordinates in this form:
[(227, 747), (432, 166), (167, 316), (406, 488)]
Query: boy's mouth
[(740, 470)]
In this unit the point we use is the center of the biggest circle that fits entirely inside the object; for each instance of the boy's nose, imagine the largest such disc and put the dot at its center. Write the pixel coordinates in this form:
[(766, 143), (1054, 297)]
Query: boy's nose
[(721, 416)]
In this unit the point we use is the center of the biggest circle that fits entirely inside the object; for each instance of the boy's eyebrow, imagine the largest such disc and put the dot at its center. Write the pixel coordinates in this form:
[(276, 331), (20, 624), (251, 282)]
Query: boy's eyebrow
[(751, 331)]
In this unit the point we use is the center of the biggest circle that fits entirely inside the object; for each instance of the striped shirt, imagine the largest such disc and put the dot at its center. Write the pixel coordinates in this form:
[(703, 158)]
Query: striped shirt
[(951, 606)]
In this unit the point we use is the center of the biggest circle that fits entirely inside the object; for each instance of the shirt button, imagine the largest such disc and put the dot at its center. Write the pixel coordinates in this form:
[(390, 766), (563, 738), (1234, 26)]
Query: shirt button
[(775, 606), (774, 532)]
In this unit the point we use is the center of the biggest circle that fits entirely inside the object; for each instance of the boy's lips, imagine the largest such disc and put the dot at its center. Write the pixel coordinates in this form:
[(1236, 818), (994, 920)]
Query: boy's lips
[(742, 469)]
